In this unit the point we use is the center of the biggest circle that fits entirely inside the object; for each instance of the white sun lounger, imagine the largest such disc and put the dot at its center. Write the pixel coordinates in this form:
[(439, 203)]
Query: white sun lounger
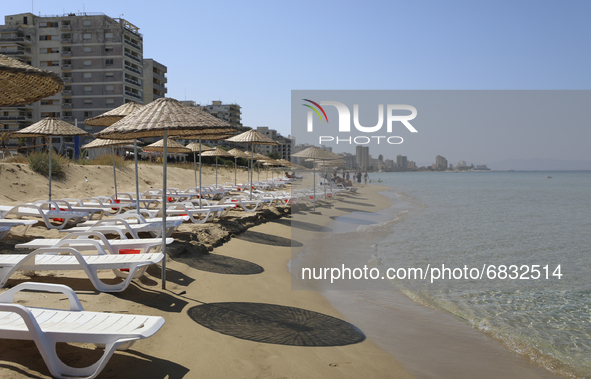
[(68, 258), (119, 226), (7, 225), (132, 217), (81, 241), (37, 211), (46, 327)]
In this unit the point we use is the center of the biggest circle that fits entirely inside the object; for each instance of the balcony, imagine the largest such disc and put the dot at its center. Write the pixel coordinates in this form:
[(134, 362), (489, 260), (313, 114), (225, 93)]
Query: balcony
[(133, 82), (67, 118), (66, 93), (67, 105), (133, 57), (66, 67), (133, 69), (14, 118), (66, 53), (15, 52), (132, 44), (67, 40), (66, 27), (137, 96), (67, 79)]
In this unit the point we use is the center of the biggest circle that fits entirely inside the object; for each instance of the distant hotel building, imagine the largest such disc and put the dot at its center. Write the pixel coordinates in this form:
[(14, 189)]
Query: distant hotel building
[(99, 58), (401, 162), (362, 157), (441, 162)]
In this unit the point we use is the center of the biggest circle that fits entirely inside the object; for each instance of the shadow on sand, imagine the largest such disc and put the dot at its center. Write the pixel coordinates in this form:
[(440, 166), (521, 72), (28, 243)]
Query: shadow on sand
[(221, 264), (308, 226), (276, 324), (267, 239)]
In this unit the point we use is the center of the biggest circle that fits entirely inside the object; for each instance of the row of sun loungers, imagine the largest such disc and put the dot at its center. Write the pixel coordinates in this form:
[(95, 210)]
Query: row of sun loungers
[(86, 248)]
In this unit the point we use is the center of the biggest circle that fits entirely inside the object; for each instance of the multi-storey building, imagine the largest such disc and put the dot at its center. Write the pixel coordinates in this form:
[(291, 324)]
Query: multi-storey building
[(441, 162), (362, 157), (401, 162), (228, 112), (154, 80), (99, 58)]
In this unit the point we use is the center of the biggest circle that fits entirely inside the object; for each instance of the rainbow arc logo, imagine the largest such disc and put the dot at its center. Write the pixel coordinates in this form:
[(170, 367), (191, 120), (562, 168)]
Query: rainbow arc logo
[(316, 110)]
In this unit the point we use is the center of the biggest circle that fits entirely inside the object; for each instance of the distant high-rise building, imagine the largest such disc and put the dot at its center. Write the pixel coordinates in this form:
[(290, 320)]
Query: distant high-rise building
[(228, 112), (401, 162), (362, 157), (154, 85), (441, 162), (99, 58)]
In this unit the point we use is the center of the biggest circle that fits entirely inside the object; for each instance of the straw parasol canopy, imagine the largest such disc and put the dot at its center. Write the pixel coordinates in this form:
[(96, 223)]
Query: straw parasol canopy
[(107, 143), (23, 84), (217, 152), (172, 146), (114, 115), (196, 147), (166, 115), (284, 162), (50, 126), (237, 153), (314, 153)]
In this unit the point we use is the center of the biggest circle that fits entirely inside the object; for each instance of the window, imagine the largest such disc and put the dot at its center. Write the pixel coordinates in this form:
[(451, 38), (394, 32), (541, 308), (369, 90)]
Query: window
[(87, 75), (110, 101), (87, 88), (50, 50), (50, 102), (109, 35), (44, 38), (56, 139), (87, 49), (87, 114), (108, 49), (87, 101), (88, 63), (109, 88), (86, 36), (108, 62), (109, 74), (86, 22), (48, 24)]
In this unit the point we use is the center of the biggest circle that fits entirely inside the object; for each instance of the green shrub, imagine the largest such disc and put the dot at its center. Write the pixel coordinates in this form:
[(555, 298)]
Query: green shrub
[(39, 162)]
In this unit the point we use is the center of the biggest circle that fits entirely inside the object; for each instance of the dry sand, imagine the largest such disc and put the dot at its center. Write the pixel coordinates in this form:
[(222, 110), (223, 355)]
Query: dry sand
[(228, 314)]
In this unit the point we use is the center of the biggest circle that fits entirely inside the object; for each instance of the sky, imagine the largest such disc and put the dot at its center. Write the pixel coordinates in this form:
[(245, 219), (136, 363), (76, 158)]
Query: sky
[(255, 53)]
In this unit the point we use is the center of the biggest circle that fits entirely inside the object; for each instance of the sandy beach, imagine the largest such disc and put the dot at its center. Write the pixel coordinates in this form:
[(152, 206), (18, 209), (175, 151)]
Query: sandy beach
[(229, 313)]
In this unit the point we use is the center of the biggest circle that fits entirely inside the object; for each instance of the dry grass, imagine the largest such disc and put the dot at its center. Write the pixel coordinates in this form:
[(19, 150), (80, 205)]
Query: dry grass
[(105, 160)]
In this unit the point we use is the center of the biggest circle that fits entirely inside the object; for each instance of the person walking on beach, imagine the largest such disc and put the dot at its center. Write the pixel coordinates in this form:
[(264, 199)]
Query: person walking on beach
[(347, 176), (365, 177), (358, 176)]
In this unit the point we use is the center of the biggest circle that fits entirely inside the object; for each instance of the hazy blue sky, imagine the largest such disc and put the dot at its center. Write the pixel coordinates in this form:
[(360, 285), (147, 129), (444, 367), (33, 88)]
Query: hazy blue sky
[(254, 53)]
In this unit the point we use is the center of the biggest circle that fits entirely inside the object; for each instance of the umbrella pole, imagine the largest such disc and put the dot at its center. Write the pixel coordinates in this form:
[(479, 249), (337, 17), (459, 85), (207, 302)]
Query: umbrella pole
[(314, 162), (200, 193), (50, 148), (251, 160), (216, 171), (164, 210), (195, 167), (137, 185), (114, 171), (234, 170)]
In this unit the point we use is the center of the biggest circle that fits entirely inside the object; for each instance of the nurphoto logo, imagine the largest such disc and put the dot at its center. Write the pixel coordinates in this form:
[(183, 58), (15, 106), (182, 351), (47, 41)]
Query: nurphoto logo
[(344, 118)]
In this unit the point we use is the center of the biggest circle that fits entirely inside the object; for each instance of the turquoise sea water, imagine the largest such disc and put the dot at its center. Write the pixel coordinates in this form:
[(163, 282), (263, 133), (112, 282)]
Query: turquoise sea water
[(485, 219)]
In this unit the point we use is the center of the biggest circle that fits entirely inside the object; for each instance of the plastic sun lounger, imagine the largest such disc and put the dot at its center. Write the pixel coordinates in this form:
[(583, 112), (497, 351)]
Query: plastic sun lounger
[(36, 210), (68, 258), (132, 217), (7, 225), (119, 226), (81, 241), (46, 327)]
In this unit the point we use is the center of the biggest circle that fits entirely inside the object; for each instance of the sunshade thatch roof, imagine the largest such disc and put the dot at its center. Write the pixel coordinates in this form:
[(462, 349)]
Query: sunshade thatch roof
[(238, 153), (107, 143), (166, 114), (194, 147), (314, 152), (172, 147), (252, 136), (114, 115), (217, 152), (50, 126), (23, 84)]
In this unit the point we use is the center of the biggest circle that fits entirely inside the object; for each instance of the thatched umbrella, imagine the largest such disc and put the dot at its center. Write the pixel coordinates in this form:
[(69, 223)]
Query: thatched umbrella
[(197, 148), (237, 154), (254, 138), (314, 153), (217, 152), (49, 127), (98, 143), (111, 117), (23, 84), (166, 117)]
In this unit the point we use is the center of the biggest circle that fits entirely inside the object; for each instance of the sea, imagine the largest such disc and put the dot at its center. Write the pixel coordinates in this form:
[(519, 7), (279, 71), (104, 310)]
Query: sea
[(528, 234)]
